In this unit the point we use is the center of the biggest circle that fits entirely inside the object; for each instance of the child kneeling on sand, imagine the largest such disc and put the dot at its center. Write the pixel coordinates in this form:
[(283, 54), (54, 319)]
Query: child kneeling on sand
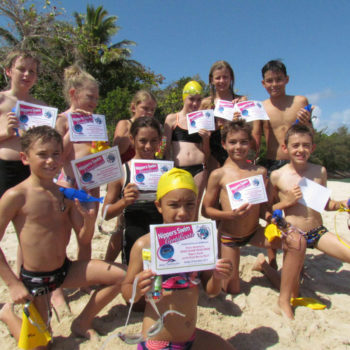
[(43, 219), (176, 201), (240, 226)]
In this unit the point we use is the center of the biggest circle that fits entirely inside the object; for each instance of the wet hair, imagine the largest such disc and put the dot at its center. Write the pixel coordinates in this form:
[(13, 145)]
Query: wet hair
[(145, 122), (217, 66), (298, 129), (236, 126), (13, 55), (44, 133), (274, 66), (142, 96), (76, 78)]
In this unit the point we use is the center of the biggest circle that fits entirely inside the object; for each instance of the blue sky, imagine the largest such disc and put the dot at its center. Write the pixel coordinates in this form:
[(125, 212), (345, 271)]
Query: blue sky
[(183, 38)]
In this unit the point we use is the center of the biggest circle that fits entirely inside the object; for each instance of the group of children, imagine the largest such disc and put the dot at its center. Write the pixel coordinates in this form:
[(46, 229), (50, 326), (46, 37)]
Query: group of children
[(43, 218)]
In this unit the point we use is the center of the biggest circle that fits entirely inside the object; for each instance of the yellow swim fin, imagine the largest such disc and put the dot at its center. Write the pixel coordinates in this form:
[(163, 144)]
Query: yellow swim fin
[(31, 335), (271, 232), (308, 302)]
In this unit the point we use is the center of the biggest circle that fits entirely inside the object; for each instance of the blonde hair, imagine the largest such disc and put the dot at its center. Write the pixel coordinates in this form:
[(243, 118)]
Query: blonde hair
[(76, 78), (142, 96)]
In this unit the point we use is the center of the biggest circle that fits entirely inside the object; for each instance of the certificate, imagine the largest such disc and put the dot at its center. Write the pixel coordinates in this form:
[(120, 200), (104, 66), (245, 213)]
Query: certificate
[(87, 127), (224, 109), (250, 190), (315, 196), (183, 247), (251, 110), (146, 173), (97, 169), (30, 115), (200, 120)]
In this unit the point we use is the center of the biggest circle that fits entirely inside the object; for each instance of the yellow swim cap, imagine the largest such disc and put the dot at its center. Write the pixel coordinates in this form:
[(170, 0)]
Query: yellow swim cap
[(191, 88), (173, 180)]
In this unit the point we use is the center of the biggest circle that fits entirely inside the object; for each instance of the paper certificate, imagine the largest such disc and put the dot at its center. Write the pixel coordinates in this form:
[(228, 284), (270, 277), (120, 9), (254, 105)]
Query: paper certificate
[(224, 109), (250, 190), (146, 173), (30, 115), (183, 247), (97, 169), (200, 120), (315, 196), (251, 110), (87, 127)]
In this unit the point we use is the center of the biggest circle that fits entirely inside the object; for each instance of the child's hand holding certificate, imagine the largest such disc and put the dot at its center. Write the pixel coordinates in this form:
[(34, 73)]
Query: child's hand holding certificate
[(183, 247), (250, 190), (90, 127), (248, 110), (30, 115), (200, 120), (97, 169)]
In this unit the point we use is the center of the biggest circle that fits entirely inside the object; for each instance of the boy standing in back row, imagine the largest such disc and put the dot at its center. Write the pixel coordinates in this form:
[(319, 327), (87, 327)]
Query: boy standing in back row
[(283, 110)]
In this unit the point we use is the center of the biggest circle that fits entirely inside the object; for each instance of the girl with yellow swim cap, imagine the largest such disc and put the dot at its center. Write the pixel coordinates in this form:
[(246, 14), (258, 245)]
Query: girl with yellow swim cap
[(189, 152), (176, 201)]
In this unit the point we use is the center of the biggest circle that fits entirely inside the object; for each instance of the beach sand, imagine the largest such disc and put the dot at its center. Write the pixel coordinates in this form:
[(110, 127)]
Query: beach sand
[(247, 320)]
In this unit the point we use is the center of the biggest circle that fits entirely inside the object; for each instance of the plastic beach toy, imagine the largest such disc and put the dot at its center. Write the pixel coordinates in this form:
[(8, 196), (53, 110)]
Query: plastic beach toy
[(308, 302), (98, 146), (81, 195), (271, 232), (307, 108), (34, 332)]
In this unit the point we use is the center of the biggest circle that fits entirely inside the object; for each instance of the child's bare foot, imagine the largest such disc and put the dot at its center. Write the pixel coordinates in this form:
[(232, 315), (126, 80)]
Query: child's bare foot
[(259, 262), (5, 312), (285, 310), (83, 331)]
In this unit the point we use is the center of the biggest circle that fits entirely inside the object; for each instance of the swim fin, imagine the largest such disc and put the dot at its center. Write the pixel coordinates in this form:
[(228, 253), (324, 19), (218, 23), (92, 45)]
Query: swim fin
[(31, 335), (308, 302)]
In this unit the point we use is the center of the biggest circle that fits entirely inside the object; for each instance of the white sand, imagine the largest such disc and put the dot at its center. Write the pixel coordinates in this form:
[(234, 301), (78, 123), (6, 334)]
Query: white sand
[(249, 321)]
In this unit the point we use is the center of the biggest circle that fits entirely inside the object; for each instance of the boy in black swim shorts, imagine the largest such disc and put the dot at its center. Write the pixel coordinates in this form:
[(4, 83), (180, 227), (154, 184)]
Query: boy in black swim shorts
[(43, 219)]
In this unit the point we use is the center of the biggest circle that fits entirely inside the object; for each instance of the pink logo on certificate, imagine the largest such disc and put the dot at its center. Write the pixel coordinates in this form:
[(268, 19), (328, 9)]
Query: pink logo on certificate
[(167, 235), (28, 110)]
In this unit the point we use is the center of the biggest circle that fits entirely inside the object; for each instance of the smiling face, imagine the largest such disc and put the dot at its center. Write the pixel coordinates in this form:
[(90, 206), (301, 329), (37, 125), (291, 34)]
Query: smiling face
[(221, 79), (146, 143), (44, 158), (275, 83), (178, 205), (23, 73), (145, 108), (299, 148), (237, 145), (85, 98)]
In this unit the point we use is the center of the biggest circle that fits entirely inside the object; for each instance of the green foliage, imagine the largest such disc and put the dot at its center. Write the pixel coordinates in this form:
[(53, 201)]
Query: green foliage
[(115, 106), (34, 25), (332, 151)]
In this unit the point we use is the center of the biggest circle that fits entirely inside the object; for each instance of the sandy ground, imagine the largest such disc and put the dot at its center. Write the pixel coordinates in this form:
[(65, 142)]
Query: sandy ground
[(247, 321)]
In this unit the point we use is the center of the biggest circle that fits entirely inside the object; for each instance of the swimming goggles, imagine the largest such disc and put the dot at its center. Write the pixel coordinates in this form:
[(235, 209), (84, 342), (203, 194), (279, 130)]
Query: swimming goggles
[(99, 225), (137, 338)]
